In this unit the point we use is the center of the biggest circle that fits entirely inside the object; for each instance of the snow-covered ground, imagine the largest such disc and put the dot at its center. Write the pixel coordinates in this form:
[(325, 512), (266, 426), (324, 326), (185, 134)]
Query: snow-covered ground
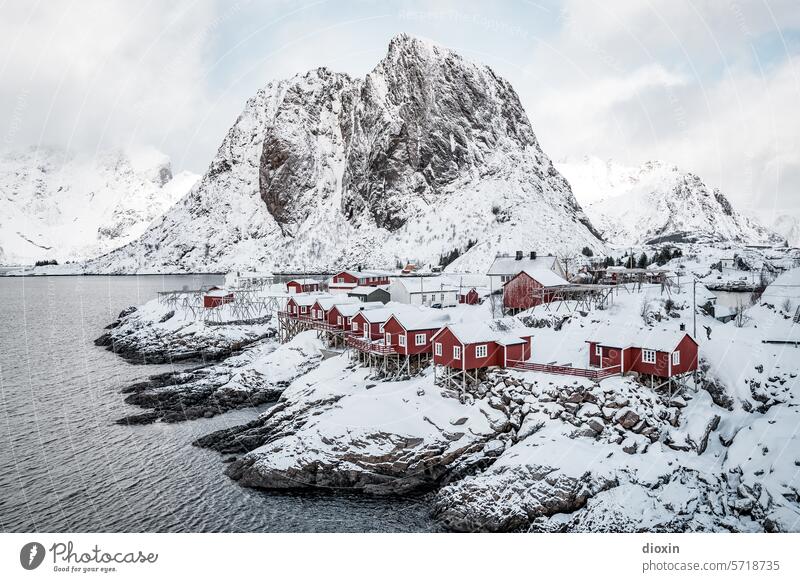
[(552, 453)]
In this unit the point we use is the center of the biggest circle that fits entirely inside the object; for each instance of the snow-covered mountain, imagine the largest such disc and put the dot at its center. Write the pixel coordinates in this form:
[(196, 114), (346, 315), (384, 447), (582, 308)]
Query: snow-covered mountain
[(785, 222), (64, 206), (427, 154), (656, 201)]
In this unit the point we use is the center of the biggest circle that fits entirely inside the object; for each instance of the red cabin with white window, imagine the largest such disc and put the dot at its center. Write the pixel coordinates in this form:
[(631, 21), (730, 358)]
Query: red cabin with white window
[(530, 288), (468, 346), (369, 324), (302, 286), (322, 306), (658, 353), (340, 315), (347, 280), (216, 297), (301, 305), (411, 335)]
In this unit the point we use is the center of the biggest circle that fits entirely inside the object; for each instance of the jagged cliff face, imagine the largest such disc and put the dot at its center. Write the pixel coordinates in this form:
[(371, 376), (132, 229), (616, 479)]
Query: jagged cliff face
[(423, 155), (657, 201)]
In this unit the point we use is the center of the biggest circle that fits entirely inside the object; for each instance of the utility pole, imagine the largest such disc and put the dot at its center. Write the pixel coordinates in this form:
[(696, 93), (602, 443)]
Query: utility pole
[(694, 308)]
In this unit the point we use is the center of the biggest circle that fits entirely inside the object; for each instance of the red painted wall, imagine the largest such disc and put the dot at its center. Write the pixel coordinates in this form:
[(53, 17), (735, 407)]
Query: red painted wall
[(395, 330), (294, 286), (470, 298), (689, 356), (209, 301), (517, 292), (374, 327)]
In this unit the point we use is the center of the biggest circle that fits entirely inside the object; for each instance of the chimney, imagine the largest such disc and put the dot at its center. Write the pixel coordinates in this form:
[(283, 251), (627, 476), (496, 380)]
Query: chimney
[(683, 327), (519, 256), (533, 255)]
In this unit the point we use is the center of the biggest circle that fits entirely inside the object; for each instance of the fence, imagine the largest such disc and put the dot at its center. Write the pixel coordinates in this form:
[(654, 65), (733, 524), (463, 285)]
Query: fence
[(567, 370)]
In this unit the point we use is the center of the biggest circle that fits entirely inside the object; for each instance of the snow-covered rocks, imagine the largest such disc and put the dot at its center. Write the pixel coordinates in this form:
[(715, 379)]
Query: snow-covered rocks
[(158, 333), (256, 376)]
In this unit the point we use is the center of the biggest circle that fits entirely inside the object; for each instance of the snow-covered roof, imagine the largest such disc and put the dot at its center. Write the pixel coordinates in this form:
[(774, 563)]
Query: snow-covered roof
[(304, 281), (423, 320), (662, 340), (308, 298), (484, 331), (364, 274), (327, 302), (218, 293), (350, 309), (545, 277), (365, 290), (512, 266), (381, 315), (425, 284)]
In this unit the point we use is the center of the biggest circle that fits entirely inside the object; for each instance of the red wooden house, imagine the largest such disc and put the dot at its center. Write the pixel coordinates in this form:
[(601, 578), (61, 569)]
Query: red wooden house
[(300, 305), (341, 314), (470, 297), (468, 346), (660, 353), (369, 324), (345, 280), (323, 305), (215, 297), (530, 288), (412, 334), (302, 286)]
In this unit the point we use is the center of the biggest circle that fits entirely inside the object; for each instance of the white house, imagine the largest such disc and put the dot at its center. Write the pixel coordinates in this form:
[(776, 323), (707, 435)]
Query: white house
[(506, 267), (423, 291)]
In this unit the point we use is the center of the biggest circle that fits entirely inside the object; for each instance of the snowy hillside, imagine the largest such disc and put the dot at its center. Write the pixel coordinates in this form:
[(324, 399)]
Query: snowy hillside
[(656, 201), (785, 222), (424, 155), (61, 206)]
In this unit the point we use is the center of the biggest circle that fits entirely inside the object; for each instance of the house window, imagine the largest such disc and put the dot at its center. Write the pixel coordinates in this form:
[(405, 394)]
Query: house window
[(481, 351), (304, 309), (381, 327), (419, 339), (424, 298), (338, 320), (441, 297), (402, 340), (366, 331), (388, 340), (456, 352), (437, 349), (355, 326), (649, 356), (598, 351), (676, 358)]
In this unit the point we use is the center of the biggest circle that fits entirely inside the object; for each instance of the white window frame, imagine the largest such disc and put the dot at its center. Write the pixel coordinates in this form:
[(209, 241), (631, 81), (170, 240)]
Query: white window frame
[(598, 350), (648, 356), (381, 328), (419, 339), (424, 298), (387, 338), (338, 320), (303, 309), (481, 351), (401, 340), (437, 348), (456, 352), (676, 358), (442, 297), (354, 326), (366, 332)]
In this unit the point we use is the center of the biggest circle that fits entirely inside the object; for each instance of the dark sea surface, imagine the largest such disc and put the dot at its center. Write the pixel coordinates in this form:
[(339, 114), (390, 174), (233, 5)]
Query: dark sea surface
[(64, 464)]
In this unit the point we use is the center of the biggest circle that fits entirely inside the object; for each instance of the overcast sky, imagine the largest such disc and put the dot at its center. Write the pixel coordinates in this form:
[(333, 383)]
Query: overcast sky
[(712, 86)]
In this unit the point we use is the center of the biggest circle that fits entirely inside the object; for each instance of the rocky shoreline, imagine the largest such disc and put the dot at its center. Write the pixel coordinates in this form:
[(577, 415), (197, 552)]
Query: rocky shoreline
[(138, 340)]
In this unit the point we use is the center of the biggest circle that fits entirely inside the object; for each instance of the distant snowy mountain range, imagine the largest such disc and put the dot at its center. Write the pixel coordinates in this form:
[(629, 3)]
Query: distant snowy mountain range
[(656, 202), (427, 154), (63, 206)]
